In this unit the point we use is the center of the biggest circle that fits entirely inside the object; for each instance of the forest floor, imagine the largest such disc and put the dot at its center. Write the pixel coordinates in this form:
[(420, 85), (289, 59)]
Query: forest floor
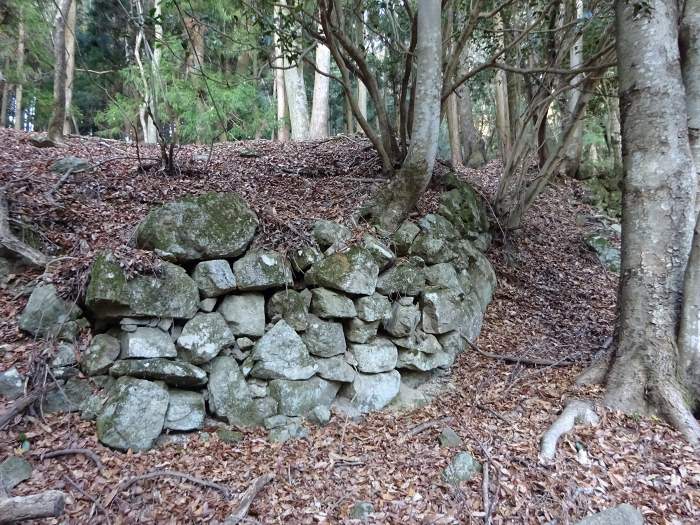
[(554, 300)]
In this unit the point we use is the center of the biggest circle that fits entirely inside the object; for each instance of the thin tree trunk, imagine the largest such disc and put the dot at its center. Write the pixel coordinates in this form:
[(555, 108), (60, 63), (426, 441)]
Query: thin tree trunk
[(572, 156), (615, 135), (70, 64), (5, 95), (282, 108), (20, 74), (472, 143), (55, 131), (453, 131), (151, 130), (361, 88), (502, 113), (318, 127), (658, 217), (396, 200)]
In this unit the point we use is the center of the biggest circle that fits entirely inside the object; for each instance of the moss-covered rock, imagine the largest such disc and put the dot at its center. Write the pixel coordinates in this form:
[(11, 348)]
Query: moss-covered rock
[(298, 398), (353, 271), (48, 315), (464, 208), (406, 278), (174, 373), (262, 270), (169, 294), (208, 226)]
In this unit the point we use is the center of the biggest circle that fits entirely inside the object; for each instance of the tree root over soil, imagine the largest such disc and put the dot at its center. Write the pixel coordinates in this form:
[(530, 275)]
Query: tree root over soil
[(576, 413), (9, 242)]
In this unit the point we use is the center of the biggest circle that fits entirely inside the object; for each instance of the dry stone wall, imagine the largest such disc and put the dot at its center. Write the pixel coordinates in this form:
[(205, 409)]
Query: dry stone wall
[(256, 337)]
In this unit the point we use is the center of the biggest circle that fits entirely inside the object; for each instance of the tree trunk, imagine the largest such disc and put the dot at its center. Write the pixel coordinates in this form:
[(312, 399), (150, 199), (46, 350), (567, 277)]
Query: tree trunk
[(320, 104), (658, 217), (55, 131), (689, 333), (502, 113), (282, 108), (472, 144), (20, 74), (453, 131), (615, 138), (572, 155), (398, 198), (296, 101), (361, 88), (151, 130), (70, 64), (5, 95)]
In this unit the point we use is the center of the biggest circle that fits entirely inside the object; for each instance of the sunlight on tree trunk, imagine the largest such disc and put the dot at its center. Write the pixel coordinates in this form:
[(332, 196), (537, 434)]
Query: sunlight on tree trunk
[(70, 65), (318, 128), (572, 154)]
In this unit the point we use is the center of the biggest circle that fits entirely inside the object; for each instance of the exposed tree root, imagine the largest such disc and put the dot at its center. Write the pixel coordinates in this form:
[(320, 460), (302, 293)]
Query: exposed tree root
[(247, 499), (9, 242), (68, 451), (19, 405), (47, 504), (576, 413), (521, 360)]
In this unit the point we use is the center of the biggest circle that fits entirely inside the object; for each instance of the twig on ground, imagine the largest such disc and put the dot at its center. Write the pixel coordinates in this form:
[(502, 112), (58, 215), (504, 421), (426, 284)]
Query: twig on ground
[(521, 360), (485, 493), (247, 498), (19, 405), (426, 425), (167, 473), (576, 413), (57, 186), (87, 496), (68, 451)]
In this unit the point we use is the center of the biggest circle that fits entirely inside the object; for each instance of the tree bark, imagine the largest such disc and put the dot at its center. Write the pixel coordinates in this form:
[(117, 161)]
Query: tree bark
[(689, 333), (572, 154), (151, 130), (396, 200), (70, 64), (5, 95), (501, 94), (282, 108), (19, 124), (55, 131), (318, 128), (658, 217), (47, 504), (296, 101), (472, 144)]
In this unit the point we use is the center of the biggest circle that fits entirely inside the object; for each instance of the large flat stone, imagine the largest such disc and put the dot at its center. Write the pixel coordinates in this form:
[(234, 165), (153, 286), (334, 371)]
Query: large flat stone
[(370, 392), (245, 314), (353, 271), (376, 356), (174, 373), (262, 270), (203, 337), (147, 342)]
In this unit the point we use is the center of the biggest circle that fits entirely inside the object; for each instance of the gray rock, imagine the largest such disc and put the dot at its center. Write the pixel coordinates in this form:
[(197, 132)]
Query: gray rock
[(408, 399), (372, 308), (414, 378), (405, 278), (262, 270), (442, 310), (245, 343), (452, 342), (281, 354), (74, 164), (47, 315), (147, 342), (134, 415), (328, 304), (361, 510), (416, 360), (303, 258), (185, 410), (226, 435), (65, 356), (438, 226), (100, 355), (70, 397), (335, 369), (203, 337), (472, 317), (402, 320), (229, 395), (320, 415), (208, 305), (442, 275), (448, 438), (404, 236), (419, 341), (608, 255), (481, 275), (431, 249), (359, 331), (377, 356), (275, 421), (624, 514), (214, 278), (463, 467), (11, 384), (383, 256), (290, 306), (245, 314), (292, 430), (353, 271), (13, 471), (344, 409), (207, 226), (170, 293), (257, 387), (324, 338), (373, 391), (174, 373), (327, 233), (298, 398)]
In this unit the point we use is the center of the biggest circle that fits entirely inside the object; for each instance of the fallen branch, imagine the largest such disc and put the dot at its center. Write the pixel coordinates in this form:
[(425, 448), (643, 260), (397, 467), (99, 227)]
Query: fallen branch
[(87, 496), (576, 413), (426, 425), (29, 255), (57, 186), (19, 405), (247, 498), (47, 504), (166, 473), (485, 493), (520, 360), (68, 451)]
